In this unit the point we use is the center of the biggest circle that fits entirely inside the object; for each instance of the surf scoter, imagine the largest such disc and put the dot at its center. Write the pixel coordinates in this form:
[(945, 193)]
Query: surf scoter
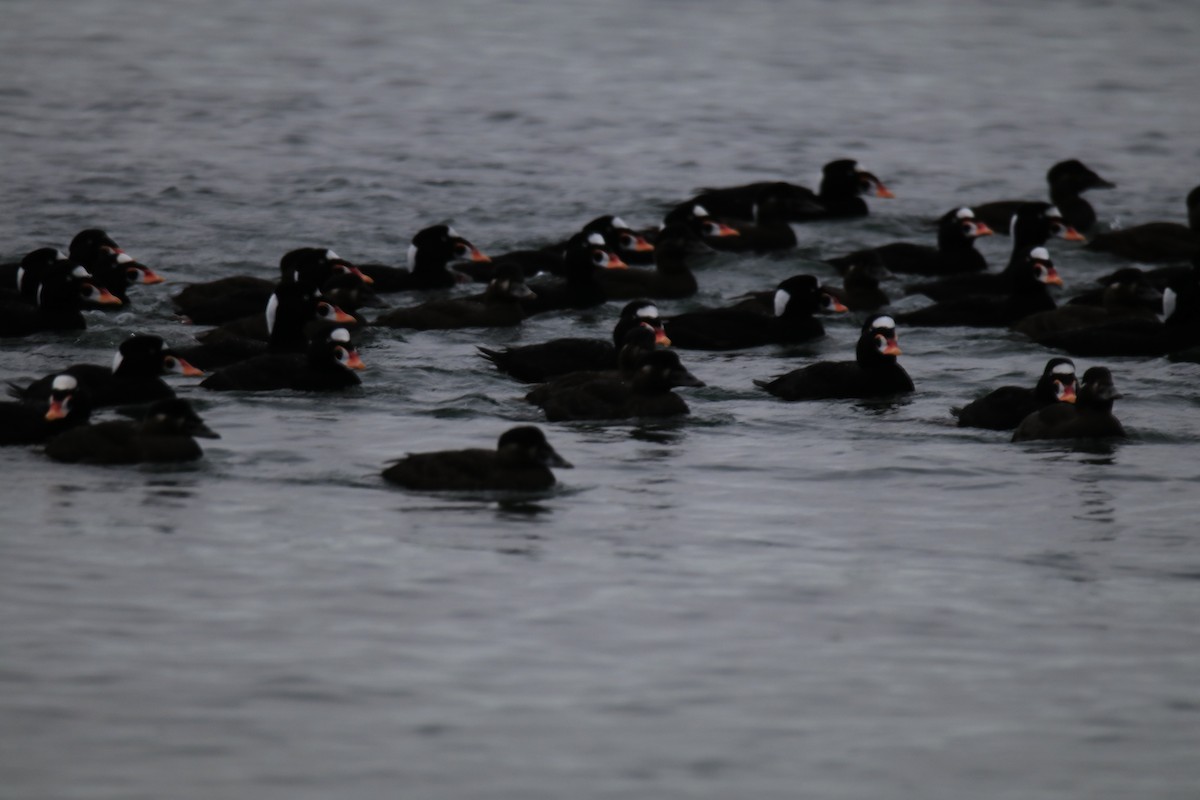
[(1028, 293), (873, 373), (1032, 225), (134, 376), (116, 270), (164, 435), (732, 328), (498, 307), (581, 286), (328, 365), (1090, 417), (535, 363), (60, 296), (1003, 409), (431, 251), (860, 287), (1067, 181), (30, 423), (520, 462), (645, 392), (671, 277), (955, 252), (1155, 241)]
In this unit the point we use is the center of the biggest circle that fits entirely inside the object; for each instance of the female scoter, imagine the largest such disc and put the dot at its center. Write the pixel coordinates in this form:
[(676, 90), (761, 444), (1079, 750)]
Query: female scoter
[(1090, 417), (499, 307), (164, 435), (520, 462), (646, 392), (1003, 409), (1155, 241), (955, 252), (1067, 180), (30, 423), (873, 373)]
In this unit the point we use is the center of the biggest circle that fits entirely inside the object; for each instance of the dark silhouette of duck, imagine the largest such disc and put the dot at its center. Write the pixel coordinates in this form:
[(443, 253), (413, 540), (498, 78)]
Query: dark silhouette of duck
[(1003, 409), (1090, 417), (1067, 180), (1155, 241), (645, 392), (31, 423), (166, 434), (671, 278), (874, 372), (733, 328), (499, 307), (955, 251), (429, 255), (329, 365), (521, 462)]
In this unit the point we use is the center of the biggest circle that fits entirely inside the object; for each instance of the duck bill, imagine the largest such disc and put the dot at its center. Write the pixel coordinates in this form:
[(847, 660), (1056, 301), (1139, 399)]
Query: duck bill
[(1072, 235), (104, 297), (615, 262), (59, 409), (1068, 394), (353, 361), (891, 348), (149, 276), (521, 291), (337, 315), (203, 431), (184, 368), (1052, 278), (362, 276), (720, 229), (640, 245), (550, 458), (831, 303), (660, 337), (682, 377), (476, 255), (981, 229), (883, 191)]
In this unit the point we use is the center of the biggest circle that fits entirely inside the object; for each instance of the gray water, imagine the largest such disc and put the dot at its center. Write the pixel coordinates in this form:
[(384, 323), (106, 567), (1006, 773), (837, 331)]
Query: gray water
[(763, 600)]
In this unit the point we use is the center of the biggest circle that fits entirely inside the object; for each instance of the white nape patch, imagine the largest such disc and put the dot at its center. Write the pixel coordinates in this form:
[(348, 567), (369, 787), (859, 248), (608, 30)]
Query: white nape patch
[(1040, 253), (1063, 369), (964, 213), (647, 312), (883, 322), (412, 256), (450, 231), (117, 359), (596, 239), (332, 256), (124, 258), (80, 272), (339, 335), (782, 298), (617, 222), (65, 383), (700, 211), (1169, 300), (272, 308)]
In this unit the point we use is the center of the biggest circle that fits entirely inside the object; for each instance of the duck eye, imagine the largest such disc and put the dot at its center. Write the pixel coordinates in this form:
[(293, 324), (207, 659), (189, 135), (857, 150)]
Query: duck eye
[(169, 363), (599, 257), (627, 241)]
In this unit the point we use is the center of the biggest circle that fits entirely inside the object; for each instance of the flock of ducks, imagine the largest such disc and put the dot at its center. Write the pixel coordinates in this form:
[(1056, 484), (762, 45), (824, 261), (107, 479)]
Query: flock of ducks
[(296, 331)]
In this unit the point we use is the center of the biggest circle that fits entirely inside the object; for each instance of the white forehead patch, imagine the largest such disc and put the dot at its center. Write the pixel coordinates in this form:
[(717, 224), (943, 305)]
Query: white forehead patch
[(332, 256), (647, 312), (596, 238), (1040, 253), (272, 308), (65, 383), (619, 223), (450, 231), (782, 298), (1053, 211), (340, 335), (80, 272), (965, 213), (124, 258), (412, 256), (700, 211), (1063, 369), (1169, 300), (883, 322)]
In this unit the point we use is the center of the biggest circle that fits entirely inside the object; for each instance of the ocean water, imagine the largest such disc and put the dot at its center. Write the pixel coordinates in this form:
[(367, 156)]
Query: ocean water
[(764, 599)]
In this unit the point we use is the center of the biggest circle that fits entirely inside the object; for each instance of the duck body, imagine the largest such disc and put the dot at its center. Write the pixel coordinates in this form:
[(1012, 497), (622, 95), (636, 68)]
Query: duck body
[(498, 307), (955, 251), (644, 392), (329, 365), (520, 462), (430, 252), (873, 373), (744, 325), (1090, 417), (165, 435), (1003, 408), (671, 278), (1067, 181), (1155, 241), (66, 407), (1027, 294)]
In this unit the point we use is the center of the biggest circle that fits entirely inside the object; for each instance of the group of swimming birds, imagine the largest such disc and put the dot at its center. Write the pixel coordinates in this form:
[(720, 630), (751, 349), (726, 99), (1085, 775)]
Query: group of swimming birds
[(295, 332)]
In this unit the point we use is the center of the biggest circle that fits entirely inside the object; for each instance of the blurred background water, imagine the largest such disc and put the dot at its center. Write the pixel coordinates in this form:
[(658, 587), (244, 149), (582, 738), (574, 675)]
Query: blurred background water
[(763, 600)]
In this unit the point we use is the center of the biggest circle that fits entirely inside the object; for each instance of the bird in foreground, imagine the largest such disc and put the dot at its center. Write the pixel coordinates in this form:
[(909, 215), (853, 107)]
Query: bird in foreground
[(1067, 181), (329, 365), (520, 462), (873, 373), (29, 423), (1090, 417), (164, 435), (1003, 409), (641, 391)]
